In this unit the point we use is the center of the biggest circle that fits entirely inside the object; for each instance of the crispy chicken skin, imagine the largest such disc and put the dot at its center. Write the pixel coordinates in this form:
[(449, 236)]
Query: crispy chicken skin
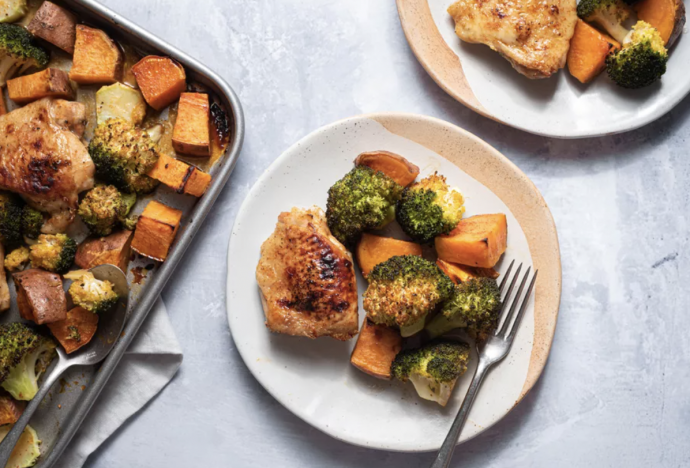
[(43, 159), (533, 35), (307, 279)]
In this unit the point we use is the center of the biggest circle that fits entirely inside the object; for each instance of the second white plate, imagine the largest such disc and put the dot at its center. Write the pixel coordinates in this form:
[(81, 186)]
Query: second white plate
[(559, 106)]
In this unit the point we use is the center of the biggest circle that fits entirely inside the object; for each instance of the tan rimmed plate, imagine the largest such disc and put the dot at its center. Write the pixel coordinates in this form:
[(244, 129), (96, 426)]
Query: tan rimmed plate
[(559, 106), (313, 378)]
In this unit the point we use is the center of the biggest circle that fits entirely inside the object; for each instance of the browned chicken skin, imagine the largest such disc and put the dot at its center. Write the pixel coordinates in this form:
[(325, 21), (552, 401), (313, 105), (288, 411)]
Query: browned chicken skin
[(43, 159), (307, 279), (533, 35)]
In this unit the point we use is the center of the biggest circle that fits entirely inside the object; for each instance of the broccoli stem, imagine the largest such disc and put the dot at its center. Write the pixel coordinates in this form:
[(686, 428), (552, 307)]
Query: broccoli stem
[(441, 325), (412, 329)]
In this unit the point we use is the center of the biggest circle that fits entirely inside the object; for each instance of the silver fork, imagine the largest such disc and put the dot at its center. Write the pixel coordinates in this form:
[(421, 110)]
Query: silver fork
[(494, 350)]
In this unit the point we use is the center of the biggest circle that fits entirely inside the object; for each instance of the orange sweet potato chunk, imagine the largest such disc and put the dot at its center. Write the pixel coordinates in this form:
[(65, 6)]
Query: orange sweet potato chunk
[(97, 58), (456, 272), (373, 250), (156, 230), (393, 165), (50, 82), (56, 25), (114, 249), (172, 172), (40, 296), (180, 176), (10, 409), (667, 16), (197, 183), (160, 79), (376, 349), (477, 241), (588, 51), (191, 134), (76, 330)]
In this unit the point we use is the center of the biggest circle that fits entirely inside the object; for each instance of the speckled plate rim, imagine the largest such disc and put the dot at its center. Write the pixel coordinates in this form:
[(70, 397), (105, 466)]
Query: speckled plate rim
[(509, 183), (445, 68)]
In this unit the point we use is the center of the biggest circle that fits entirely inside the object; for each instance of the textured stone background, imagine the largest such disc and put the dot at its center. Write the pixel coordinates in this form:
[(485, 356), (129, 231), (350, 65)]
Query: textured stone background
[(615, 390)]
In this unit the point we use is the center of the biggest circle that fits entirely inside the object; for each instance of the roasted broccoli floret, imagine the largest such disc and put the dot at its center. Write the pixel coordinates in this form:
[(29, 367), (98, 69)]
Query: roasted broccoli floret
[(608, 14), (403, 290), (104, 207), (474, 306), (32, 221), (19, 52), (429, 208), (641, 61), (90, 293), (10, 218), (361, 201), (53, 252), (123, 155), (432, 369), (24, 355), (17, 259)]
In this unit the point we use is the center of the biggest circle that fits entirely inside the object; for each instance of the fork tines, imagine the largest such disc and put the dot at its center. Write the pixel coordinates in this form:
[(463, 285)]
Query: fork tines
[(508, 327)]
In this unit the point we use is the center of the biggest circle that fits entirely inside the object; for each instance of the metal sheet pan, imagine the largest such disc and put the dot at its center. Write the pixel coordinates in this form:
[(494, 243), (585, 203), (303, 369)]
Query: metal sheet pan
[(63, 411)]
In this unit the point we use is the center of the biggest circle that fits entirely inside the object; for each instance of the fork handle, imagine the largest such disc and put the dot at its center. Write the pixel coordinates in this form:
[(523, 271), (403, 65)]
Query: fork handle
[(445, 454)]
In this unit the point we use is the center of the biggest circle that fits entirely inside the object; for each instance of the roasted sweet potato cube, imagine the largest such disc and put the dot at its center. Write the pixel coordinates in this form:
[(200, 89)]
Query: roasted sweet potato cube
[(393, 165), (180, 176), (76, 330), (50, 82), (10, 409), (114, 249), (191, 133), (588, 51), (456, 272), (197, 183), (376, 349), (160, 79), (40, 296), (56, 25), (3, 106), (172, 172), (477, 241), (373, 250), (97, 58), (156, 230)]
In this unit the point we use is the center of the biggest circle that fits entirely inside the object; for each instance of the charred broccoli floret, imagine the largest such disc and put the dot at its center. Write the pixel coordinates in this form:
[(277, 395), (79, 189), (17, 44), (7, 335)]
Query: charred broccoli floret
[(24, 355), (641, 61), (19, 52), (403, 290), (53, 252), (429, 208), (474, 305), (90, 293), (10, 219), (17, 259), (104, 207), (361, 201), (27, 450), (32, 221), (608, 14), (123, 155), (432, 369)]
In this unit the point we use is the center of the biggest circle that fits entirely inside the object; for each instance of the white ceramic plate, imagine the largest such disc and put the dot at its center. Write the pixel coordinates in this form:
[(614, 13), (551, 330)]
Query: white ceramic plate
[(313, 378), (559, 107)]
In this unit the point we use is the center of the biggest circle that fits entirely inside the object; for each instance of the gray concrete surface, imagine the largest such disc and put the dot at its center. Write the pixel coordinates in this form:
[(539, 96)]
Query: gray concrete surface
[(615, 389)]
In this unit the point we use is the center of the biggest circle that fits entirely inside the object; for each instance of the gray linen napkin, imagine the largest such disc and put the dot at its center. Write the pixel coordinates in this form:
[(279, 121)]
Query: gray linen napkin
[(148, 365)]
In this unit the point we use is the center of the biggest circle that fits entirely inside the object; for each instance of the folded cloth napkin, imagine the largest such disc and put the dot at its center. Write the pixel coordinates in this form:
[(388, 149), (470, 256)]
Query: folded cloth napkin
[(149, 364)]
